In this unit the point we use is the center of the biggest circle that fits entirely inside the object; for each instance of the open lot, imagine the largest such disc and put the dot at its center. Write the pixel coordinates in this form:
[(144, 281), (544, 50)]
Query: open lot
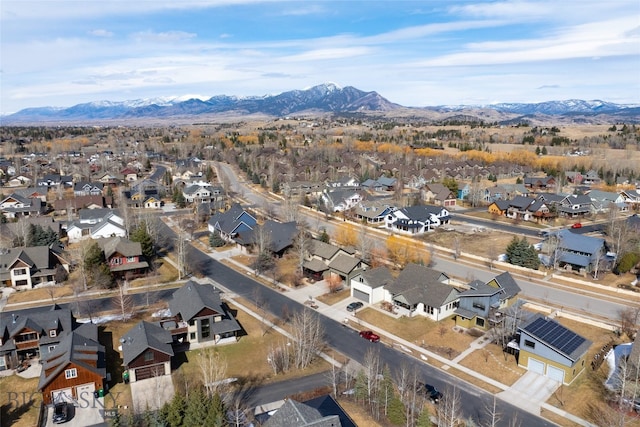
[(19, 401), (438, 337)]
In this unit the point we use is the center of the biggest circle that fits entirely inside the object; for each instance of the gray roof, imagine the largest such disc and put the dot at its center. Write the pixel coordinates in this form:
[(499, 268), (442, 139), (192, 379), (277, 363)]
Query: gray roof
[(191, 298), (315, 265), (77, 349), (322, 249), (41, 320), (41, 260), (229, 220), (377, 277), (121, 245), (556, 337), (507, 283), (420, 284), (344, 263), (281, 235), (143, 336), (296, 414), (579, 242)]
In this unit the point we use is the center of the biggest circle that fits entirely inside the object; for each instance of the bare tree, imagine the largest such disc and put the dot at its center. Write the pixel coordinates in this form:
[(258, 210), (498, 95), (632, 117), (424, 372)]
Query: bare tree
[(365, 243), (124, 302), (302, 243), (448, 413), (213, 368), (493, 415), (291, 209), (180, 246), (307, 336), (279, 357), (333, 378), (409, 386), (629, 318)]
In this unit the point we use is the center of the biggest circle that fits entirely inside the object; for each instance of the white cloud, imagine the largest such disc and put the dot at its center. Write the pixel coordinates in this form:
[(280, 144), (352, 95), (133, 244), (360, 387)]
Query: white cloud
[(162, 37), (101, 33)]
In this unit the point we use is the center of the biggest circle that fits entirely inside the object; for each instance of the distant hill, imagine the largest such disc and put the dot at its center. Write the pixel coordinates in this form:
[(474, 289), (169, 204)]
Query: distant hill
[(321, 99)]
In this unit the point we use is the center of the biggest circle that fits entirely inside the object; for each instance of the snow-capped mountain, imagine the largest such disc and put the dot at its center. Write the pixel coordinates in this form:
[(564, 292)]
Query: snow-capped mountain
[(324, 98)]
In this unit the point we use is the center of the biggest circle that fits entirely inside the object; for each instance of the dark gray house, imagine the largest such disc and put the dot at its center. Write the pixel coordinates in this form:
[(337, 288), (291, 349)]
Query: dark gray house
[(478, 306), (200, 316), (147, 351), (322, 411)]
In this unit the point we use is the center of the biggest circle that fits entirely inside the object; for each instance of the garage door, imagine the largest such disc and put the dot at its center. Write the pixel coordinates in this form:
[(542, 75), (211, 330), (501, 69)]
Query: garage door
[(84, 392), (362, 296), (536, 366), (149, 372), (555, 373), (62, 395)]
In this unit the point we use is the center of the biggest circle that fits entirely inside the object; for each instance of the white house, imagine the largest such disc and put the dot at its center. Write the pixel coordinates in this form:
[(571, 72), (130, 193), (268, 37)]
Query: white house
[(416, 219), (369, 285), (95, 224)]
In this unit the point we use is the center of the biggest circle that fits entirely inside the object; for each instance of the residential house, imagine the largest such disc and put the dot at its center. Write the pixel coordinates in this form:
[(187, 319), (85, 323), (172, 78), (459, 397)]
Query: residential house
[(575, 206), (231, 222), (96, 223), (373, 212), (55, 181), (381, 184), (346, 266), (202, 192), (540, 183), (25, 267), (492, 194), (72, 206), (439, 195), (85, 188), (19, 181), (345, 181), (482, 304), (550, 349), (147, 351), (340, 200), (200, 309), (124, 257), (591, 178), (463, 193), (318, 257), (528, 209), (574, 177), (414, 220), (420, 290), (578, 252), (111, 179), (75, 368), (632, 198), (129, 174), (32, 334), (33, 193), (298, 188), (499, 207), (370, 285), (322, 411), (604, 200), (16, 206), (279, 236)]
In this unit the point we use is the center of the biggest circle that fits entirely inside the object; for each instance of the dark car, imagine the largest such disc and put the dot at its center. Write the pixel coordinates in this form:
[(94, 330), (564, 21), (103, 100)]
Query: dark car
[(368, 335), (432, 393), (60, 412), (354, 306)]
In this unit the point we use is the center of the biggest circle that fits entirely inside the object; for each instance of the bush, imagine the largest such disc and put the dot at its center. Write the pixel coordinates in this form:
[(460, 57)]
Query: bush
[(627, 262)]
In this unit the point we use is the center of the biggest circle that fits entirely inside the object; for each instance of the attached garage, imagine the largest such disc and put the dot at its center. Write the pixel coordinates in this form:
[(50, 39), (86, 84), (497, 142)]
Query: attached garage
[(362, 296), (85, 391), (62, 395), (555, 374), (536, 366), (149, 371)]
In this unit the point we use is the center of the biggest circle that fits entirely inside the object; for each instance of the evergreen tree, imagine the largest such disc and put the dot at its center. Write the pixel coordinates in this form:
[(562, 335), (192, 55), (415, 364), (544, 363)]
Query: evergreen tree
[(396, 412), (520, 252), (141, 236), (178, 198), (216, 240), (424, 419), (196, 409), (175, 411), (215, 413), (324, 236)]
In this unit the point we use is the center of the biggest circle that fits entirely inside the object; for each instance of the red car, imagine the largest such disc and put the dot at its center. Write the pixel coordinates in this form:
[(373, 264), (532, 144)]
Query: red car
[(368, 335), (576, 225)]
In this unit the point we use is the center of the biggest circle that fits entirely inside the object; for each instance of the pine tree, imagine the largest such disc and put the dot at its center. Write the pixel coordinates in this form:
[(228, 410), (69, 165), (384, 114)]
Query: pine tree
[(215, 240), (424, 419), (196, 409), (396, 412), (324, 236), (215, 413), (141, 236), (175, 411)]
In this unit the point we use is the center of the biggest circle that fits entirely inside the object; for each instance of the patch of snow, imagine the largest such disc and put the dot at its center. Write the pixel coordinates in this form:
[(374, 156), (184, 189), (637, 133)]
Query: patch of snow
[(103, 319), (162, 313)]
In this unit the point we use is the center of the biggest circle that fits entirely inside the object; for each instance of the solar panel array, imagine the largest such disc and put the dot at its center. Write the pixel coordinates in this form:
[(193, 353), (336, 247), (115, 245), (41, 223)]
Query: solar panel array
[(555, 335)]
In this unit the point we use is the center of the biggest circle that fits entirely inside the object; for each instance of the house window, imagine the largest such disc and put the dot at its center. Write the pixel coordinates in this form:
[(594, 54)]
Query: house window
[(148, 356), (478, 305), (71, 373), (53, 333), (192, 336), (116, 261), (131, 259), (480, 322), (192, 322), (51, 348), (205, 327), (529, 344), (19, 271)]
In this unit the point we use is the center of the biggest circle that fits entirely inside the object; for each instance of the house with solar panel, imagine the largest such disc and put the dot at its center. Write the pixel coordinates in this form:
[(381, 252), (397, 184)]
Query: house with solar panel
[(550, 349)]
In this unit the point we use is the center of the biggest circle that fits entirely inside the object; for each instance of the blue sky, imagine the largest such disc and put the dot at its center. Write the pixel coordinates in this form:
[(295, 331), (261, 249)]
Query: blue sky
[(416, 53)]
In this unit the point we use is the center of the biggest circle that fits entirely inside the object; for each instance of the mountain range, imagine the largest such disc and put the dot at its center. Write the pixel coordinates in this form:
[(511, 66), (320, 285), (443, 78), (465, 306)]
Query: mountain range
[(318, 100)]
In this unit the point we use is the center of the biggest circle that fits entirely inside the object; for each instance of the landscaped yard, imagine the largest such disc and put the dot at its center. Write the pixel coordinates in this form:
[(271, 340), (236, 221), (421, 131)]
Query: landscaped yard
[(438, 337), (19, 402), (491, 362)]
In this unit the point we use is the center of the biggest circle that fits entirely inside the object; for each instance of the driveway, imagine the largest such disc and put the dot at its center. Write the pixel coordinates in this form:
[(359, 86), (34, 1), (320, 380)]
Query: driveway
[(83, 413), (530, 391), (151, 393)]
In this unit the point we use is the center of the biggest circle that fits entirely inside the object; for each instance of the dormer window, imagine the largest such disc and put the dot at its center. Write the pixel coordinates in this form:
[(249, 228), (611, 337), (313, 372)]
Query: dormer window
[(53, 333)]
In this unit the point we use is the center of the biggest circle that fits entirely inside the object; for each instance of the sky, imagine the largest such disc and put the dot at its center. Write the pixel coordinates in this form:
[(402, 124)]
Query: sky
[(416, 53)]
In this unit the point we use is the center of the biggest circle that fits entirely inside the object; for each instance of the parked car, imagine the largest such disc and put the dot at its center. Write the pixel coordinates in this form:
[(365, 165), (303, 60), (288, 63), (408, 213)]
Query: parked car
[(60, 412), (354, 306), (577, 225), (432, 393), (370, 336)]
